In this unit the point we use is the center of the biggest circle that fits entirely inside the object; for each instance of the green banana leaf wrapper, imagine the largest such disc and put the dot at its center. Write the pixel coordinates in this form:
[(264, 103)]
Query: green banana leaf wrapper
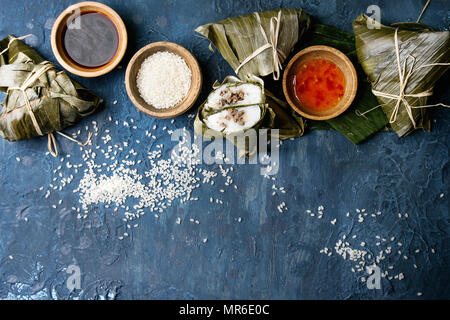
[(238, 37), (56, 100), (377, 54), (273, 115)]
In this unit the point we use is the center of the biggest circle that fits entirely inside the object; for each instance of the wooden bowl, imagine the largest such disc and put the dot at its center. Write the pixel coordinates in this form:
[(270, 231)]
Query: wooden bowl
[(326, 53), (135, 64), (60, 26)]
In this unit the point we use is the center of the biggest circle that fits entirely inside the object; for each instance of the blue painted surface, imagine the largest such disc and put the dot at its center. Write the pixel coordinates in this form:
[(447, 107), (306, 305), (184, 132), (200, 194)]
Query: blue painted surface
[(267, 254)]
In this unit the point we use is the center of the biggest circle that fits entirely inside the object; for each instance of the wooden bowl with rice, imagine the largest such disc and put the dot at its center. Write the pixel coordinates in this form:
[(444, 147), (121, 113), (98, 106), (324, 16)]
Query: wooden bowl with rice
[(163, 79)]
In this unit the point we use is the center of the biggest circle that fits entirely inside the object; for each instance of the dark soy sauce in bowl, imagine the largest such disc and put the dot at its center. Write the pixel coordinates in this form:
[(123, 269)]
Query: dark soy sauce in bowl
[(91, 39)]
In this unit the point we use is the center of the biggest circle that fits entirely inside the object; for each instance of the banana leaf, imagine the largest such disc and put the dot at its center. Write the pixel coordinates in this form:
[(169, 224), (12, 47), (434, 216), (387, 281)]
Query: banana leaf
[(56, 100), (288, 123), (273, 115), (376, 52), (239, 37)]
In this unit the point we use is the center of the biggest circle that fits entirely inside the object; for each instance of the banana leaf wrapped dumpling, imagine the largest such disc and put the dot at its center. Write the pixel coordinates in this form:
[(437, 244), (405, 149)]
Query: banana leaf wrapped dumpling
[(55, 100), (403, 63), (256, 44)]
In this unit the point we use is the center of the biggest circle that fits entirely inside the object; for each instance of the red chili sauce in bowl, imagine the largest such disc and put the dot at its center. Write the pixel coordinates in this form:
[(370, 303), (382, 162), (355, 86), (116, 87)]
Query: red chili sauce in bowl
[(319, 84)]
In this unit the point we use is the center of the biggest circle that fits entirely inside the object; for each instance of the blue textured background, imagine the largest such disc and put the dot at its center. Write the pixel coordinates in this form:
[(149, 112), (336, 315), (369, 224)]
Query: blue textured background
[(268, 254)]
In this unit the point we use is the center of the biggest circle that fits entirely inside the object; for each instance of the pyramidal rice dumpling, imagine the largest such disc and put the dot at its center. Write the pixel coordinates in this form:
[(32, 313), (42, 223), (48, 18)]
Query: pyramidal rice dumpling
[(405, 56), (55, 100)]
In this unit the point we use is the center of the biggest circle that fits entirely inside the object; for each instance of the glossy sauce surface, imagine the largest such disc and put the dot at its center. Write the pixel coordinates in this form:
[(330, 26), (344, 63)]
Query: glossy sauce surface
[(91, 39), (319, 84)]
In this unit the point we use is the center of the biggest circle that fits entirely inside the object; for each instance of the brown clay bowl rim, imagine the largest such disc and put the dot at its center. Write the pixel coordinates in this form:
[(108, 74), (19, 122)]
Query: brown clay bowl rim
[(353, 83), (72, 67), (187, 102)]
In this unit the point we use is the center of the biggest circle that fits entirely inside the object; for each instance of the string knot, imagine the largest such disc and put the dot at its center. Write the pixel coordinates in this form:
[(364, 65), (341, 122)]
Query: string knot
[(271, 43)]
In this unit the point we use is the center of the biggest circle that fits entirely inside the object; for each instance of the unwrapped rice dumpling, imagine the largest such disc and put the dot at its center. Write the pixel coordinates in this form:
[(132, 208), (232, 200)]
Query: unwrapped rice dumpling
[(407, 56), (235, 106), (55, 100), (232, 108)]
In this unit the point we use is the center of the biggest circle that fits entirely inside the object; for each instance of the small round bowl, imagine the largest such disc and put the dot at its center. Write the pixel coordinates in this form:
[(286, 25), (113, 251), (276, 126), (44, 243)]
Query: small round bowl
[(60, 26), (135, 64), (326, 53)]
